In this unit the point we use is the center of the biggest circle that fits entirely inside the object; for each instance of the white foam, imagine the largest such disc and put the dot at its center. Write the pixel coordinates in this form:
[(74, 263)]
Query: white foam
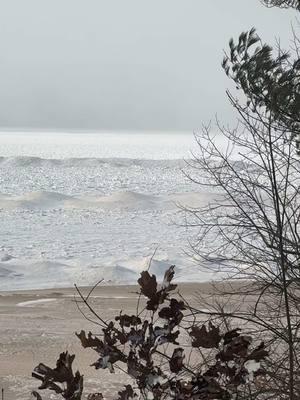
[(33, 303), (117, 274)]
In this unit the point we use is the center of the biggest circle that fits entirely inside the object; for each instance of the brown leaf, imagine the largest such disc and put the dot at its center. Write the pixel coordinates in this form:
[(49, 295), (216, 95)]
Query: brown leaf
[(230, 335), (71, 385), (95, 396), (165, 335), (237, 348), (122, 337), (103, 363), (136, 336), (259, 353), (127, 393), (36, 395), (155, 301), (215, 391), (173, 312), (208, 339), (110, 334), (176, 362), (169, 275), (148, 284), (127, 321), (89, 341), (219, 369), (134, 367)]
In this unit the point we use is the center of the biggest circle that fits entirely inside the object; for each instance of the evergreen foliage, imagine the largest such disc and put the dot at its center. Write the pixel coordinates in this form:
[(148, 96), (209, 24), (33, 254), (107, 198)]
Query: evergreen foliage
[(270, 82), (282, 3)]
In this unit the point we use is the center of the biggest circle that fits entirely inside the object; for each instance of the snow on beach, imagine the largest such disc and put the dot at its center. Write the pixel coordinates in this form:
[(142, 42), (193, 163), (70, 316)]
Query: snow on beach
[(81, 207)]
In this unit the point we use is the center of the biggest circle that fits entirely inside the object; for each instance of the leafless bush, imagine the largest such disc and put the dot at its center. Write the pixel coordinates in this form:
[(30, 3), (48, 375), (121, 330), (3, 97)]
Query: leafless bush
[(250, 231)]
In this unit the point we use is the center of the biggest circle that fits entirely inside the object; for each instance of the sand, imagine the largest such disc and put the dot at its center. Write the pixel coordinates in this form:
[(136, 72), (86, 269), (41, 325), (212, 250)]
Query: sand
[(35, 326)]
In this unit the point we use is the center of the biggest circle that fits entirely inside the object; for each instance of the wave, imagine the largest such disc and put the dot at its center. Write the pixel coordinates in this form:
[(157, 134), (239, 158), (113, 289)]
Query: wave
[(43, 200), (35, 200), (27, 161), (33, 273)]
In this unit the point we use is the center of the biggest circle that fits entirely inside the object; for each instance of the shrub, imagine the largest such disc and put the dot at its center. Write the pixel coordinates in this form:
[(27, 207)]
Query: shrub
[(166, 352)]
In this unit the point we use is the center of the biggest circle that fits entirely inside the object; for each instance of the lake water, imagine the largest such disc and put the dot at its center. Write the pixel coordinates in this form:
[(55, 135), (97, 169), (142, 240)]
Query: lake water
[(76, 207)]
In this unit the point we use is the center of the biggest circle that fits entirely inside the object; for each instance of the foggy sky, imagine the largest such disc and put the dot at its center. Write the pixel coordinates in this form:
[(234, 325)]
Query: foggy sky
[(122, 64)]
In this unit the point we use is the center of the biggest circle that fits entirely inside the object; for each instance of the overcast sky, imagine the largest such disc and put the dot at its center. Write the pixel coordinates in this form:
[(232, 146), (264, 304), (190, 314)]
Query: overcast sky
[(122, 64)]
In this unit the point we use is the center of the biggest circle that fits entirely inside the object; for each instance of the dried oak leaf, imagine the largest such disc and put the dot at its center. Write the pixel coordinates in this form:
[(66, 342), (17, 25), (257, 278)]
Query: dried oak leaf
[(136, 336), (134, 368), (237, 348), (219, 369), (214, 391), (145, 351), (201, 388), (173, 312), (122, 337), (89, 340), (110, 334), (109, 353), (155, 301), (72, 385), (109, 356), (259, 353), (127, 320), (148, 284), (127, 393), (230, 335), (95, 396), (62, 372), (165, 335), (74, 388), (169, 275), (208, 339), (176, 361), (36, 395)]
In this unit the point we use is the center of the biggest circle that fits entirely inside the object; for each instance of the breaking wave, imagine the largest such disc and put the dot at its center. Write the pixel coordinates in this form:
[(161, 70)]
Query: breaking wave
[(27, 161), (43, 200)]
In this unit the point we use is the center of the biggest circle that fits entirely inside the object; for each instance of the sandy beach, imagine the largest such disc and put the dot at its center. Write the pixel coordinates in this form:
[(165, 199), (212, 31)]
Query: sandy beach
[(35, 326)]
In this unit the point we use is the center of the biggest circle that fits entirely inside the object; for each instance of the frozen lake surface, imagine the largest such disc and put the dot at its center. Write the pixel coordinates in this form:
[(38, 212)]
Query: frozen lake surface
[(135, 145), (81, 207)]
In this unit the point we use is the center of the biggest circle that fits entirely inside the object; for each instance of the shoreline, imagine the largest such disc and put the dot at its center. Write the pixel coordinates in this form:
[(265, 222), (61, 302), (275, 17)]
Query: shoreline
[(105, 286)]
